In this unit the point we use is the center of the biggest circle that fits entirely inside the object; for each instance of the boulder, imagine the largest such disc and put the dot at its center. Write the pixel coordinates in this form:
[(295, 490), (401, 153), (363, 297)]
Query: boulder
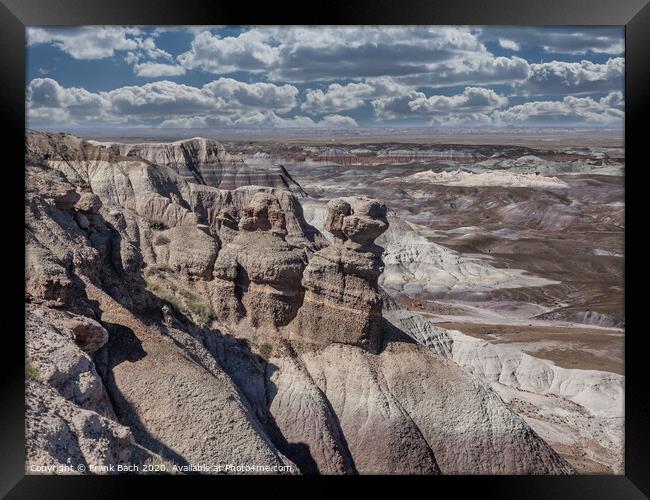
[(88, 202), (88, 334)]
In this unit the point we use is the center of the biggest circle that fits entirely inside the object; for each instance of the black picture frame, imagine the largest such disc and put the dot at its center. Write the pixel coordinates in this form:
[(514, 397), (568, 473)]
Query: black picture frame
[(15, 15)]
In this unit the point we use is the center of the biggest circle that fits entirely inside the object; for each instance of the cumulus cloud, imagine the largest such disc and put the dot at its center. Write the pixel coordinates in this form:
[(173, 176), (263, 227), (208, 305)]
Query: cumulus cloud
[(309, 77), (614, 100), (338, 121), (476, 69), (559, 77), (258, 119), (50, 102), (86, 42), (161, 101), (337, 97), (483, 106), (435, 55), (156, 70), (504, 43), (100, 42), (569, 111), (473, 100), (250, 51), (280, 98)]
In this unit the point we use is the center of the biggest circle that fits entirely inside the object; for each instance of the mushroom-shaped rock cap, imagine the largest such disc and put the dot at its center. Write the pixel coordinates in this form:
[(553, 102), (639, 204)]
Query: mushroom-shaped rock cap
[(358, 224), (337, 210), (339, 206), (362, 229), (372, 208)]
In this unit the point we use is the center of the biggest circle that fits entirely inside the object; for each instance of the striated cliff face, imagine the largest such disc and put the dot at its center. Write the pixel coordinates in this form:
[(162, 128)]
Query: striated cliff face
[(190, 325), (207, 162)]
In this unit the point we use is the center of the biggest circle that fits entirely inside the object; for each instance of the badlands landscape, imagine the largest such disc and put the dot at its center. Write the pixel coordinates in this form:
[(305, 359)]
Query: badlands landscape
[(349, 305)]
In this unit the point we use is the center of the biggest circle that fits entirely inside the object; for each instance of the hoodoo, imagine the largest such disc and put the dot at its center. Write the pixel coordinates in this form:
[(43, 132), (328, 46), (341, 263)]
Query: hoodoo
[(342, 301)]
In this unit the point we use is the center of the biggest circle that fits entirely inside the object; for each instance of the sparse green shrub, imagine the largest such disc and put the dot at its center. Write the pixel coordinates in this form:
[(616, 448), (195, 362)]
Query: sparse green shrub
[(31, 372), (197, 306), (159, 291), (265, 351), (157, 225), (191, 302)]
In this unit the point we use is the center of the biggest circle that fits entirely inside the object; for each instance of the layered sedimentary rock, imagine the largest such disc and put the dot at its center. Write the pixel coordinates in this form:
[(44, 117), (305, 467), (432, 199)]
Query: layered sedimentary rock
[(257, 274), (190, 324), (342, 301), (207, 162), (391, 408), (128, 400)]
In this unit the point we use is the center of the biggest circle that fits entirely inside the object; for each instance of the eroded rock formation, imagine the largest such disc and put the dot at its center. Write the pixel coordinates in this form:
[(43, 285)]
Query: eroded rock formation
[(342, 302), (257, 274), (205, 161), (191, 324)]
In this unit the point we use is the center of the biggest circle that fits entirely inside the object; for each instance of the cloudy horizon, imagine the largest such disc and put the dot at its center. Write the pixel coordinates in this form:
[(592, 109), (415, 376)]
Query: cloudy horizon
[(324, 77)]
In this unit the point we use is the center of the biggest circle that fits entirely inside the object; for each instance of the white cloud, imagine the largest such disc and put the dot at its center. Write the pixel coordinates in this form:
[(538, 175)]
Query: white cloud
[(509, 44), (473, 100), (86, 42), (473, 69), (570, 110), (161, 101), (250, 51), (158, 99), (257, 119), (559, 77), (101, 42), (400, 73), (337, 97), (155, 70), (49, 102), (338, 121), (432, 56), (280, 98), (614, 100)]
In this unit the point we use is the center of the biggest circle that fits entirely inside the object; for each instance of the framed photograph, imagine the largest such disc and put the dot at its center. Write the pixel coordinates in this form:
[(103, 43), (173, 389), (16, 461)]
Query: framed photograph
[(388, 242)]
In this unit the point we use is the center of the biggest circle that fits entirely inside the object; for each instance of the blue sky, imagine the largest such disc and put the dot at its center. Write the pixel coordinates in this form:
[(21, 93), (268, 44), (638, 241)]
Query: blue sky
[(216, 77)]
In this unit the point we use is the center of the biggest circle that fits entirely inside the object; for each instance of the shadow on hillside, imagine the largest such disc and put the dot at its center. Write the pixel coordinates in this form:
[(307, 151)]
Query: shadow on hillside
[(391, 333), (252, 376), (124, 346)]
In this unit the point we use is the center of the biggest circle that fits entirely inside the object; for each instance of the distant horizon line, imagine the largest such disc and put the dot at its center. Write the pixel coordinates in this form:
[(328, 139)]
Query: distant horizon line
[(493, 128)]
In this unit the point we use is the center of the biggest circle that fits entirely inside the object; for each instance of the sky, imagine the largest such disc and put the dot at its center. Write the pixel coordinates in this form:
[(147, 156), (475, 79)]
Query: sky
[(332, 77)]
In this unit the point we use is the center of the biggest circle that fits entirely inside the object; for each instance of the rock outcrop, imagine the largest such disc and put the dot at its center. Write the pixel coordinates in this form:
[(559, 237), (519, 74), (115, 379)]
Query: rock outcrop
[(257, 274), (205, 161), (342, 301), (391, 406), (175, 321), (61, 433)]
